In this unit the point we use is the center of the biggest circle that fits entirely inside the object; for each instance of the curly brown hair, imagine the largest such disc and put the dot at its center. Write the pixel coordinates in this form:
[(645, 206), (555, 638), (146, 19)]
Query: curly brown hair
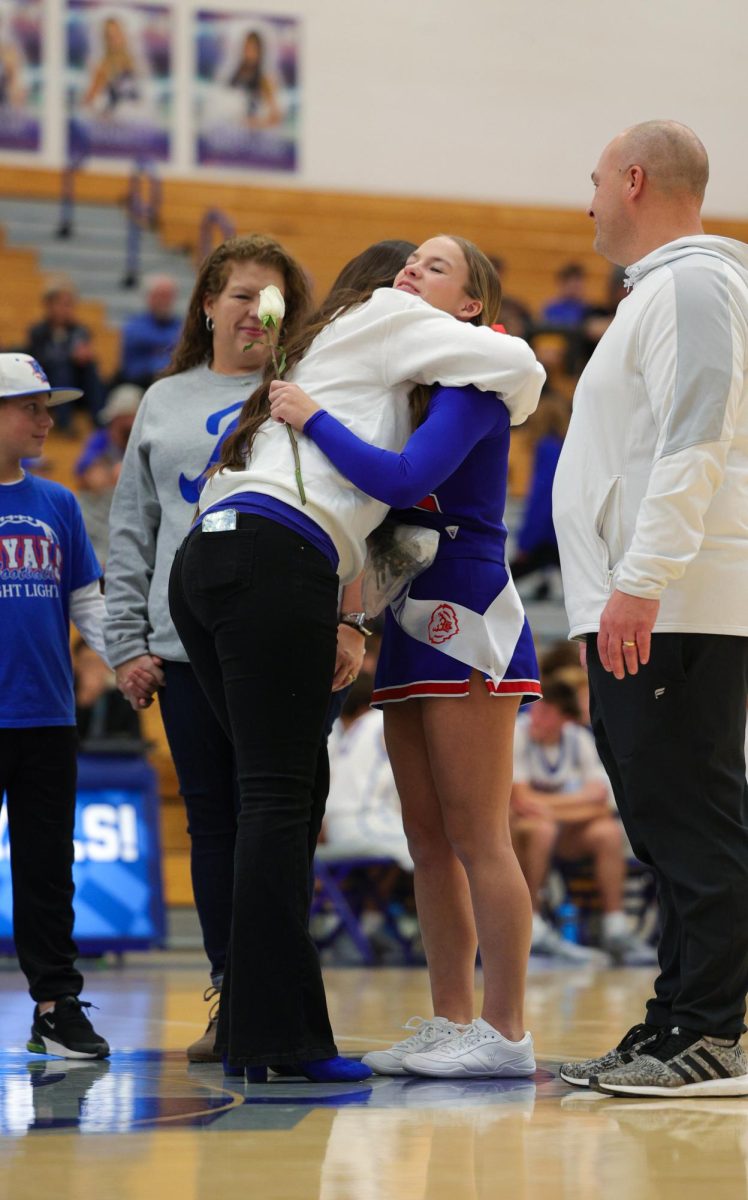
[(195, 345)]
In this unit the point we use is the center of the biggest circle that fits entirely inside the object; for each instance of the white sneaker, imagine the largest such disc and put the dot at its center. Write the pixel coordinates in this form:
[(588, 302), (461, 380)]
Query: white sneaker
[(627, 950), (546, 940), (481, 1051), (434, 1032)]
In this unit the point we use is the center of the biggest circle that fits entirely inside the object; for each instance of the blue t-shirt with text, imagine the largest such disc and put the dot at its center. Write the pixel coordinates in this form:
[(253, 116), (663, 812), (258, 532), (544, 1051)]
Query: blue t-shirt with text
[(45, 554)]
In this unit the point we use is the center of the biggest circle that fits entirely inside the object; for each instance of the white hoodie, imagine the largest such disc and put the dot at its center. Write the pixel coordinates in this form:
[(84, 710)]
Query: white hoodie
[(361, 368), (651, 491)]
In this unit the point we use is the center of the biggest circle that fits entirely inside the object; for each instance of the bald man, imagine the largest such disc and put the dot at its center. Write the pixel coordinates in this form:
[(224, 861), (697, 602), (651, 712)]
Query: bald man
[(651, 512)]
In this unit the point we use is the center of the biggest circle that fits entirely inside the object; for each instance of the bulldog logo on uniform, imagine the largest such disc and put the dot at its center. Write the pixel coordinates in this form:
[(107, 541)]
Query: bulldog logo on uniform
[(443, 624)]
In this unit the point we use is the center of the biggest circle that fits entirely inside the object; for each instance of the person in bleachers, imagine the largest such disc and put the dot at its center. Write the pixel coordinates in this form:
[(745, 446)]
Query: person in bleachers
[(570, 305), (562, 808), (516, 317), (558, 655), (363, 815), (98, 467), (64, 348), (537, 548), (149, 337)]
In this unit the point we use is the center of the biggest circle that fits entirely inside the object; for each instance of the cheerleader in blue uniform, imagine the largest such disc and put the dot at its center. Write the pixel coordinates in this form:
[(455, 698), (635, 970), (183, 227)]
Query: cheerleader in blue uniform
[(457, 658)]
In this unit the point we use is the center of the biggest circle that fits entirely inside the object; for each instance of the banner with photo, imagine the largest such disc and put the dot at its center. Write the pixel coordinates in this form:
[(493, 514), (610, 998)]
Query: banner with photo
[(21, 81), (246, 89), (119, 79)]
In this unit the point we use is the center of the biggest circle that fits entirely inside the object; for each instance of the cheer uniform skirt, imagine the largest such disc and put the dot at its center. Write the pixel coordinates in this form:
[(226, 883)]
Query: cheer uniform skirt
[(410, 669)]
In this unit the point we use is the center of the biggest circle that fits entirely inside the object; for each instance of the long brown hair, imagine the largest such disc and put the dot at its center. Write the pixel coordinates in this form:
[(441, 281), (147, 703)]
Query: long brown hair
[(195, 345), (375, 267), (482, 284)]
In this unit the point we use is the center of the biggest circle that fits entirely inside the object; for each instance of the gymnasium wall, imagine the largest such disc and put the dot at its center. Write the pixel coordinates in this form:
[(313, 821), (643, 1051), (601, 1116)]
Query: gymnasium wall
[(485, 100)]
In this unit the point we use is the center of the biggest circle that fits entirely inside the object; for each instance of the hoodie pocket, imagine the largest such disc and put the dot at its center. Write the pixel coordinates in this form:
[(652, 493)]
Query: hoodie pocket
[(607, 523)]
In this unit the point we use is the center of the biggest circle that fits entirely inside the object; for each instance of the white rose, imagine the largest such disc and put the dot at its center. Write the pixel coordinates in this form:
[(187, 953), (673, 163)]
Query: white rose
[(272, 305)]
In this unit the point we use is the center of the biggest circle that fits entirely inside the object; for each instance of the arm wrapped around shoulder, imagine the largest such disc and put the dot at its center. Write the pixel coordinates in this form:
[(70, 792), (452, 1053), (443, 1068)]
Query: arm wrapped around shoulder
[(424, 345)]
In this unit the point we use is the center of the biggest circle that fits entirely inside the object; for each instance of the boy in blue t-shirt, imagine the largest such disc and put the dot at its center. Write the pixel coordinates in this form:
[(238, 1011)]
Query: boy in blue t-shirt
[(49, 575)]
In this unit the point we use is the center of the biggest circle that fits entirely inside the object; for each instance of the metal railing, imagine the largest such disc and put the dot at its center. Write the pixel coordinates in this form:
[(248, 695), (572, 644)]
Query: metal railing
[(67, 195), (213, 219), (142, 209)]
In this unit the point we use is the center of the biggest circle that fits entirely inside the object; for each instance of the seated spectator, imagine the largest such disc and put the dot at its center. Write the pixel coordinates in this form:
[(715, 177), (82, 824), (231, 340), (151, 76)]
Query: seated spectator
[(570, 306), (599, 317), (102, 715), (149, 337), (98, 467), (514, 316), (558, 655), (363, 813), (537, 548), (64, 348), (576, 677), (562, 808)]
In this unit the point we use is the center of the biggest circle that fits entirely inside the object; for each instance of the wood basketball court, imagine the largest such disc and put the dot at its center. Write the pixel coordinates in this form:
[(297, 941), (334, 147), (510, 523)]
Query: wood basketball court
[(148, 1125)]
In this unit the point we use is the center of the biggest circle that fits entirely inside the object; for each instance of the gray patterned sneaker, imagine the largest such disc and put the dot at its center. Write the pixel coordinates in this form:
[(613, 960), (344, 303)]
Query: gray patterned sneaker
[(424, 1035), (685, 1063), (629, 1048)]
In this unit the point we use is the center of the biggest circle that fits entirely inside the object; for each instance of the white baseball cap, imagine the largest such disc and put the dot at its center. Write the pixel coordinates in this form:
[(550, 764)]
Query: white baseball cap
[(122, 401), (21, 375)]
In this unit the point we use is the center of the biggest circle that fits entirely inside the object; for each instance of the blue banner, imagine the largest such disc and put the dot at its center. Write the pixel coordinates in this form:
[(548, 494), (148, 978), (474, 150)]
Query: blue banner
[(118, 893)]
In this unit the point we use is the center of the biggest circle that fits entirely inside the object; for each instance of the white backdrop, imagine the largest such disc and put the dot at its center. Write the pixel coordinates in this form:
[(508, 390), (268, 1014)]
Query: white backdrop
[(483, 99)]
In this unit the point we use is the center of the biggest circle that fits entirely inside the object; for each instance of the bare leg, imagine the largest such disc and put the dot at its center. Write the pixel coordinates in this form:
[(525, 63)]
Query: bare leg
[(445, 911), (601, 839), (534, 839), (470, 749)]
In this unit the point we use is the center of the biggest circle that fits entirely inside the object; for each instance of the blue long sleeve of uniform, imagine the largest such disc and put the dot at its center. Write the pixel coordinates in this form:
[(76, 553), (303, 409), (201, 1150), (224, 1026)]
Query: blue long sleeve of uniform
[(457, 419)]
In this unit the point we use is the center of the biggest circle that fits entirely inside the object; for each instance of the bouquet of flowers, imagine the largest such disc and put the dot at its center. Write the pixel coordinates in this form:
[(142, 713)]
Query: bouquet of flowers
[(396, 553)]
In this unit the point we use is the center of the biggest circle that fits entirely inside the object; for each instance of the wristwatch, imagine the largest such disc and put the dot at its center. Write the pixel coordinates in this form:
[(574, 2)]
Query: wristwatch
[(357, 621)]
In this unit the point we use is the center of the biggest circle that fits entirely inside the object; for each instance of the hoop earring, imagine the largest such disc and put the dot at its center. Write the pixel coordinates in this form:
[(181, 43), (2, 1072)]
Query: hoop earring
[(210, 324)]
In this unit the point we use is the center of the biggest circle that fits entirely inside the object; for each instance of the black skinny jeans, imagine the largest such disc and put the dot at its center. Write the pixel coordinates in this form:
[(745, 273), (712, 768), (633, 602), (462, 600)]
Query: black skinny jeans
[(38, 771), (203, 755), (671, 738), (256, 610)]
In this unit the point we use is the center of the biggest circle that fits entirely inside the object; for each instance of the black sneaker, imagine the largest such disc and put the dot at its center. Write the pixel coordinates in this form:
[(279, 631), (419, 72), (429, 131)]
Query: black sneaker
[(66, 1031)]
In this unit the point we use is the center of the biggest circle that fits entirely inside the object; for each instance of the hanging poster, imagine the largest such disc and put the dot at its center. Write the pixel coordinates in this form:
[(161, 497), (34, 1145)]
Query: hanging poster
[(119, 79), (20, 74), (246, 88)]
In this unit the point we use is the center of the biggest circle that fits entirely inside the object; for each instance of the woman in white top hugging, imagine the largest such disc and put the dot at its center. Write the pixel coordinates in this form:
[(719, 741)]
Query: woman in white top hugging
[(254, 597)]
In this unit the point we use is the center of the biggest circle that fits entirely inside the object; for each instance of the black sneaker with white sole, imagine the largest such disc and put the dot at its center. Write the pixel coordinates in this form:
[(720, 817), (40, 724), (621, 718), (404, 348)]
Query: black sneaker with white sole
[(66, 1032)]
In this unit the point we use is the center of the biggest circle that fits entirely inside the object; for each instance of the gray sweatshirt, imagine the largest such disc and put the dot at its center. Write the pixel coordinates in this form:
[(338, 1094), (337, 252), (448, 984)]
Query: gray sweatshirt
[(180, 424)]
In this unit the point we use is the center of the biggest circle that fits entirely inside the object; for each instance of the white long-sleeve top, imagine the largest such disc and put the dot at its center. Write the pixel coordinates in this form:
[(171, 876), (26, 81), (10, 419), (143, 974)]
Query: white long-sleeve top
[(361, 369), (651, 491)]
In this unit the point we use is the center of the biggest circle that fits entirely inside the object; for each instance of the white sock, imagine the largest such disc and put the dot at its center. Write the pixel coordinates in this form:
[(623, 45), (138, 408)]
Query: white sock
[(615, 923)]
